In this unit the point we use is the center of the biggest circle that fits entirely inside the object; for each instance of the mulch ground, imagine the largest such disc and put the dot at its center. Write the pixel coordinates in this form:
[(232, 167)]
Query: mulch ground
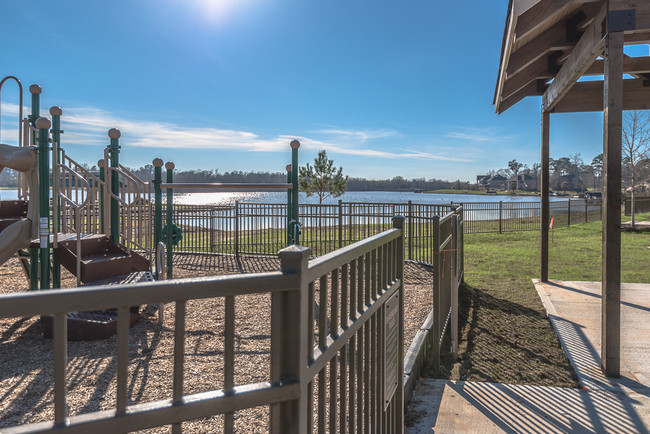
[(26, 372)]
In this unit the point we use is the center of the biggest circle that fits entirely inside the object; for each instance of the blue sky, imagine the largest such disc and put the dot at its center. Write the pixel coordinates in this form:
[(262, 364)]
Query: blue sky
[(387, 88)]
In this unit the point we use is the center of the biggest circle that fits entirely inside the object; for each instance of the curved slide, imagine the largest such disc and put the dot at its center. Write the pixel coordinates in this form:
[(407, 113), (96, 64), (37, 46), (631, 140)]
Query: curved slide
[(15, 237), (18, 235)]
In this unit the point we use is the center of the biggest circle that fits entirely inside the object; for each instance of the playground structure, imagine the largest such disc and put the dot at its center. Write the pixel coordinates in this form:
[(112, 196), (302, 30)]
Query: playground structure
[(101, 226)]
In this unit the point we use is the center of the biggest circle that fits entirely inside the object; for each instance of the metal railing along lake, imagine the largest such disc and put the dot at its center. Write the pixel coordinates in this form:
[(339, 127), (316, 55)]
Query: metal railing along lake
[(258, 228)]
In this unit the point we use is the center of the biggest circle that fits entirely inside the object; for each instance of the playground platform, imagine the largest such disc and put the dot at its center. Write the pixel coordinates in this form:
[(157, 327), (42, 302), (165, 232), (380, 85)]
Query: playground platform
[(601, 404)]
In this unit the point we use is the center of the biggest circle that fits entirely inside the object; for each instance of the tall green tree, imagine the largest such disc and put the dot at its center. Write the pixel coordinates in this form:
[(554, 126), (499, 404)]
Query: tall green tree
[(322, 178)]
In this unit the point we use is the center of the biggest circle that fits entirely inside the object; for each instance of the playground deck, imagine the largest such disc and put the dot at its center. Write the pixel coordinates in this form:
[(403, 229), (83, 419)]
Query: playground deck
[(26, 357)]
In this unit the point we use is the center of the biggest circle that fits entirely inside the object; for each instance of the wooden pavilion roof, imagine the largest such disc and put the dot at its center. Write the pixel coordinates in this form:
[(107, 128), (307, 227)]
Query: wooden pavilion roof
[(548, 45)]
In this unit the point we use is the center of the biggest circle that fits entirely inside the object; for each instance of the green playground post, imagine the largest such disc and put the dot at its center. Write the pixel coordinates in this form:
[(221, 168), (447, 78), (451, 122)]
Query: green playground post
[(289, 208), (35, 90), (170, 204), (295, 144), (102, 178), (114, 151), (157, 217), (56, 113), (43, 125)]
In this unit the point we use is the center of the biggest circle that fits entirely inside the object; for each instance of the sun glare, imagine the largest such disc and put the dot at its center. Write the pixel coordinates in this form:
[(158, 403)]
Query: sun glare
[(214, 10)]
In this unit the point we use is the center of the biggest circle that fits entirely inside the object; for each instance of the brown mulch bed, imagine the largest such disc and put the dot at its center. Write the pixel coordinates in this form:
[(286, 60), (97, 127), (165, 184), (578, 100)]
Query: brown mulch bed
[(26, 372)]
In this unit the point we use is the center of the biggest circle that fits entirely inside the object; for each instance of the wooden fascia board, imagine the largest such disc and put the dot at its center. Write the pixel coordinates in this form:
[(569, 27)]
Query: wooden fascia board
[(583, 55), (588, 97), (512, 22), (631, 65)]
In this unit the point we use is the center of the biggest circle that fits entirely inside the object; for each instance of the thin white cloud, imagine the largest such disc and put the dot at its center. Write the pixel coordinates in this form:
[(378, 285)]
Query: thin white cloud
[(477, 135), (88, 126), (362, 135)]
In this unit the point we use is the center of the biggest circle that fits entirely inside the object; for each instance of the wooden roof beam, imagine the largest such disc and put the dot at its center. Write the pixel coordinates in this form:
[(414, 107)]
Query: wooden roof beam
[(529, 90), (560, 36), (588, 97), (533, 72), (583, 55), (631, 65), (543, 15)]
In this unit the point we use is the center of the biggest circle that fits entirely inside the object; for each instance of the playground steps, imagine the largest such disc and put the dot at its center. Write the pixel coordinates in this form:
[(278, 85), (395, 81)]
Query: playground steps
[(102, 263), (12, 211), (101, 259)]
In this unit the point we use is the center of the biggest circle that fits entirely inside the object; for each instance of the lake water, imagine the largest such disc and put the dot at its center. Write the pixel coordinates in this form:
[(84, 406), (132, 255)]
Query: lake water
[(350, 196)]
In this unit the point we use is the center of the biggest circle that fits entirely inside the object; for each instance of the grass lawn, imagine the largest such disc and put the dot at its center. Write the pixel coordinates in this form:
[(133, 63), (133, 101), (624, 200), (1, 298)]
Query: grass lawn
[(505, 334)]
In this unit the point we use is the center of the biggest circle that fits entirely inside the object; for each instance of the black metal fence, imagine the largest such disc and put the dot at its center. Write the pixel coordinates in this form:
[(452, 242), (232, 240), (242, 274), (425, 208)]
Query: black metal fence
[(641, 204), (259, 229)]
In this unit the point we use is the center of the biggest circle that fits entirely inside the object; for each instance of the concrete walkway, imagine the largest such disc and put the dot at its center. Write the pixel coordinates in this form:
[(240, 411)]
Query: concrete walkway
[(600, 405)]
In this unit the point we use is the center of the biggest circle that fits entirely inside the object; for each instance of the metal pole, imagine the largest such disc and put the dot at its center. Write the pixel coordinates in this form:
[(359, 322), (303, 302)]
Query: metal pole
[(102, 178), (56, 161), (43, 125), (237, 228), (35, 90), (410, 232), (170, 205), (114, 150), (157, 218), (295, 144), (289, 208)]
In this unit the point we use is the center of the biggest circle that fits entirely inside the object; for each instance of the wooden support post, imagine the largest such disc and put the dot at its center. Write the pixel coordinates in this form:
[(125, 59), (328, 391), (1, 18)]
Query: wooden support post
[(545, 211), (289, 342), (613, 130)]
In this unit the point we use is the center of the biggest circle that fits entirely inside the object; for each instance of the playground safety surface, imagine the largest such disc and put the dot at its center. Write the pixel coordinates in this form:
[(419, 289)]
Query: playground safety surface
[(26, 357), (601, 404)]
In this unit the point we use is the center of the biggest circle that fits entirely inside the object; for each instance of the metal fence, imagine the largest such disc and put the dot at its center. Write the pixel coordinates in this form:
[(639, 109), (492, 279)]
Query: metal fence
[(259, 229), (641, 204), (335, 348), (525, 216)]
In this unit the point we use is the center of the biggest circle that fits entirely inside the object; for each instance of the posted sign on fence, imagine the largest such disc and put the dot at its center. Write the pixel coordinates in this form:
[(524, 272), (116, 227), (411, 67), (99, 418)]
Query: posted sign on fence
[(391, 348)]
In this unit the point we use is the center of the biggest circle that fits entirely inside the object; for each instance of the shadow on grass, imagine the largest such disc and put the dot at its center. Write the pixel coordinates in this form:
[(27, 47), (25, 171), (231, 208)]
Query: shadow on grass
[(505, 342)]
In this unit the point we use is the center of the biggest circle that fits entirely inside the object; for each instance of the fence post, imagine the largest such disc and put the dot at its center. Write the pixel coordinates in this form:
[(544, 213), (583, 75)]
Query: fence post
[(568, 215), (410, 230), (170, 206), (500, 214), (586, 211), (454, 287), (461, 243), (436, 292), (289, 341), (398, 223), (340, 223), (237, 228)]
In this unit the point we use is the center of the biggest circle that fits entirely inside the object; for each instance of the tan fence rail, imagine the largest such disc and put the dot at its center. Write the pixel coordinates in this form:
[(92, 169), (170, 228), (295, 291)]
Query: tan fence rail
[(447, 262), (335, 348)]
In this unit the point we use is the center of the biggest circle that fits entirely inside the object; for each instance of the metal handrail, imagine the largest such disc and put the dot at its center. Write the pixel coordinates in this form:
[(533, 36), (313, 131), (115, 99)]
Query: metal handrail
[(20, 104), (60, 169), (138, 196), (226, 185)]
